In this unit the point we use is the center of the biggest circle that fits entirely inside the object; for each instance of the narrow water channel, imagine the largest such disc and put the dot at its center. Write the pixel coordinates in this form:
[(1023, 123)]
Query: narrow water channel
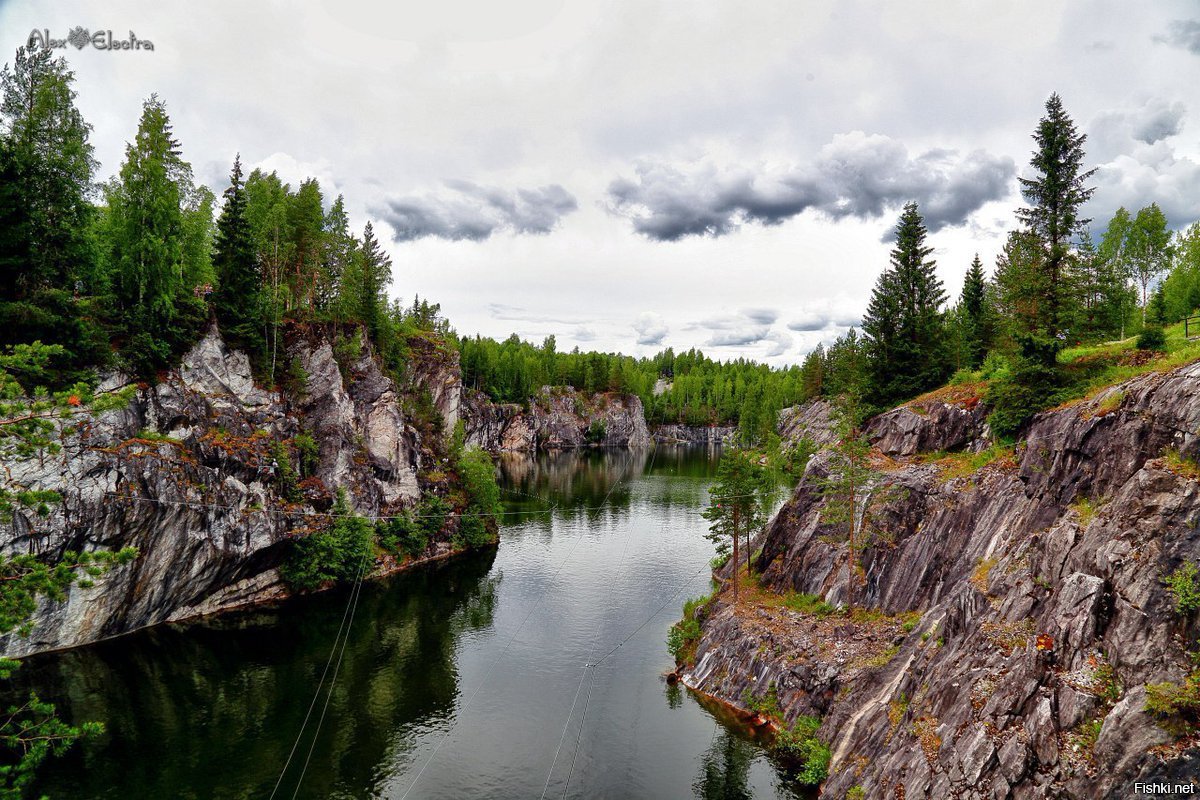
[(467, 680)]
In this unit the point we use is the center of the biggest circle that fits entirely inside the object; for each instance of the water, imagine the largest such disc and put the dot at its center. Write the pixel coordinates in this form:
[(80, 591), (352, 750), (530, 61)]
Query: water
[(459, 681)]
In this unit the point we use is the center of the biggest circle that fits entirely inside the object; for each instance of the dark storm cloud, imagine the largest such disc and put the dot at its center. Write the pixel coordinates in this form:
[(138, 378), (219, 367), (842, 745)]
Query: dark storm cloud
[(855, 175), (474, 212), (1183, 33)]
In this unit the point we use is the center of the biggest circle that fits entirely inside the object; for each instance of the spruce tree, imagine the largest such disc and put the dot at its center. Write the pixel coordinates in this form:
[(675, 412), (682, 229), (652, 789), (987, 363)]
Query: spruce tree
[(1055, 195), (238, 297), (974, 314), (904, 324)]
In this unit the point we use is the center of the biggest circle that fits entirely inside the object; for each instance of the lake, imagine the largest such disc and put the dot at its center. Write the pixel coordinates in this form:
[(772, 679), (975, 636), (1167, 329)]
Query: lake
[(534, 670)]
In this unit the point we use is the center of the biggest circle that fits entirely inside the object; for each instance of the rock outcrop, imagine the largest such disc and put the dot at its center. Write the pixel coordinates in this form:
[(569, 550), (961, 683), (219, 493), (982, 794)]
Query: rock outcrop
[(1035, 599), (555, 419), (813, 420), (188, 474), (696, 434)]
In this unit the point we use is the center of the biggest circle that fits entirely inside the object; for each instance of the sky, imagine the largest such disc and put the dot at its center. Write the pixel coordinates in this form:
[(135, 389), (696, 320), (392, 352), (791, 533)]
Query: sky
[(630, 176)]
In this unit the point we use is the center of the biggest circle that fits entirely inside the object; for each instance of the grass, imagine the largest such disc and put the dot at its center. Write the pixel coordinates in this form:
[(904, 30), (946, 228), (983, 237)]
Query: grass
[(960, 465), (1096, 367), (983, 569), (1181, 465), (1086, 508), (807, 604)]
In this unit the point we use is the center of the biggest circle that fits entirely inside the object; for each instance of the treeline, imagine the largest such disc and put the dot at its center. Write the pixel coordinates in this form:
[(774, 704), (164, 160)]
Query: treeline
[(134, 269), (687, 387), (1051, 287)]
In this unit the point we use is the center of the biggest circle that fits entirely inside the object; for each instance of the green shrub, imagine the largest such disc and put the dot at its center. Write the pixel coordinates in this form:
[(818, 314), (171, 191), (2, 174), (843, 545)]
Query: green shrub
[(1033, 384), (682, 637), (402, 535), (1172, 699), (478, 526), (800, 744), (995, 367), (285, 476), (1152, 338), (766, 704), (1185, 588), (342, 552), (596, 432), (309, 453)]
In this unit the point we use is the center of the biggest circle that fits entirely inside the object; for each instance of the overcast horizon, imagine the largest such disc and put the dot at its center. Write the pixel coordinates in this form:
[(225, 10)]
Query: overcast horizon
[(635, 176)]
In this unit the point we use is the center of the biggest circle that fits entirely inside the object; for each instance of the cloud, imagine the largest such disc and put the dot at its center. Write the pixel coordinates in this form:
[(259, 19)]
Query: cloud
[(1183, 33), (509, 313), (1114, 131), (739, 337), (469, 211), (1137, 162), (854, 175), (781, 342), (584, 334), (651, 329), (822, 319)]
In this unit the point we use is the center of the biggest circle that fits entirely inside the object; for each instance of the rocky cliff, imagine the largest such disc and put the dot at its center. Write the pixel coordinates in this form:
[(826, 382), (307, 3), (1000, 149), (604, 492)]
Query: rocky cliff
[(1014, 614), (696, 434), (192, 474), (556, 418)]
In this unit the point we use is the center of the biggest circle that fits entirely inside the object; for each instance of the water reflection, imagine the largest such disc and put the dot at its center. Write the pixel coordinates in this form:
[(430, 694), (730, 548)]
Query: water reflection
[(211, 710)]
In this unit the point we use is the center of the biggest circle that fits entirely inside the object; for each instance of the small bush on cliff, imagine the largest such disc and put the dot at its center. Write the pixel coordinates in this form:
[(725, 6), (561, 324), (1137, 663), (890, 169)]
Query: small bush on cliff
[(1184, 586), (340, 553), (478, 475), (682, 639), (595, 432), (800, 743), (411, 532)]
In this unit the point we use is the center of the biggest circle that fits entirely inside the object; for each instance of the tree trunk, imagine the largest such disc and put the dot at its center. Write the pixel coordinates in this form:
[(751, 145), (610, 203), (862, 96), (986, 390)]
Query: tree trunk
[(736, 554)]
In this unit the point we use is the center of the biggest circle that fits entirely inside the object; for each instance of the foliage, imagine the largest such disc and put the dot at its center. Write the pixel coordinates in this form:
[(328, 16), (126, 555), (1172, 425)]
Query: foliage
[(808, 604), (309, 453), (1184, 586), (1032, 385), (905, 333), (800, 743), (237, 300), (410, 533), (766, 704), (681, 639), (737, 503), (1055, 194), (477, 526), (849, 473), (34, 731), (340, 553), (595, 432), (285, 475), (1152, 338)]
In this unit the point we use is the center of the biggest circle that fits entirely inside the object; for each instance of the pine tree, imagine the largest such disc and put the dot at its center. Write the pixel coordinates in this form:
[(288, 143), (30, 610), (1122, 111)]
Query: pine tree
[(736, 506), (1055, 194), (46, 168), (975, 317), (376, 274), (904, 324), (338, 253), (238, 297)]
